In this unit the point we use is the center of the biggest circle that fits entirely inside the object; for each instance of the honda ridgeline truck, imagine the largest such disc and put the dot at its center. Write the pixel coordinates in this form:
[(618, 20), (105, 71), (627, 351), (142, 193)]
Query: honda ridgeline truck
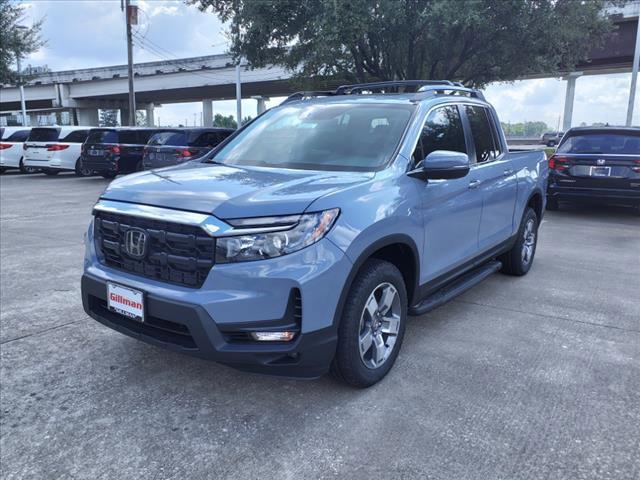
[(302, 242)]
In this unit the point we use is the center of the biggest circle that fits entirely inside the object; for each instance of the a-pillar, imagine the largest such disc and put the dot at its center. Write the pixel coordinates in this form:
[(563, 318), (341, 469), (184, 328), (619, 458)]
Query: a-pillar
[(150, 119), (568, 99), (88, 117), (207, 113)]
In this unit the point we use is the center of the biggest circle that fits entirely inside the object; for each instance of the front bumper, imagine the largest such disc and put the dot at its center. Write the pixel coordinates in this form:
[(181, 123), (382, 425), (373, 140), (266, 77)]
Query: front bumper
[(211, 322)]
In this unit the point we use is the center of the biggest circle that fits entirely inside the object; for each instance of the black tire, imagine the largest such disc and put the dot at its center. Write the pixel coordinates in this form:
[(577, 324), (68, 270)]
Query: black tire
[(82, 171), (2, 170), (516, 261), (25, 170), (349, 364), (552, 204), (51, 173), (109, 175), (139, 166)]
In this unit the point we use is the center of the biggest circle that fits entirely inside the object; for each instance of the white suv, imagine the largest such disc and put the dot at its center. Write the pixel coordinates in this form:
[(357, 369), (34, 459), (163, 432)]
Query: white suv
[(11, 141), (55, 149)]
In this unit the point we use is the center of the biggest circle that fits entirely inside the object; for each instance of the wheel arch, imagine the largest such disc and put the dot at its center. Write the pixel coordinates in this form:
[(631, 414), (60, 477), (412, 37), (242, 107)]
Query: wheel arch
[(398, 249)]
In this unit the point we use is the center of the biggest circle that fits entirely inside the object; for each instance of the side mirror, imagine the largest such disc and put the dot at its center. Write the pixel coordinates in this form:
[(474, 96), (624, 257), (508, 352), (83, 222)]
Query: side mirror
[(442, 165)]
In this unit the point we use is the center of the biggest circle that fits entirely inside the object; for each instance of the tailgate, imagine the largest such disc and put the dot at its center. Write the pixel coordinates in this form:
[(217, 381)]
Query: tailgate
[(37, 151), (600, 170)]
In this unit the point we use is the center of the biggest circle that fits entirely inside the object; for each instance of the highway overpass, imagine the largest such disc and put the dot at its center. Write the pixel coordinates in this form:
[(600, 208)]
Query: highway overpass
[(83, 92)]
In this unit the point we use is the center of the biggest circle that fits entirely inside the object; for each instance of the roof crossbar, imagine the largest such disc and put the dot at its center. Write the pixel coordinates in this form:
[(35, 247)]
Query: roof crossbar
[(395, 85), (421, 88)]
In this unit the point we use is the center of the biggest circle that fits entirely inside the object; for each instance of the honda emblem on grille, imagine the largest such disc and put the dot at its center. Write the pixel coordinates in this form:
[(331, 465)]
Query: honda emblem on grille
[(135, 243), (601, 161)]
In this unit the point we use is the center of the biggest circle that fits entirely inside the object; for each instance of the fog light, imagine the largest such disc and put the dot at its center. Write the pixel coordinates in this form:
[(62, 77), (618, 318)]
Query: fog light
[(273, 336)]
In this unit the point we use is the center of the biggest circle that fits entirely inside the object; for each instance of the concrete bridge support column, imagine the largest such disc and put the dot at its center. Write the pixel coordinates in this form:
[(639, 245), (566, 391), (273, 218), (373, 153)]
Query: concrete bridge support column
[(150, 120), (568, 100), (262, 105), (88, 116), (207, 113), (124, 117)]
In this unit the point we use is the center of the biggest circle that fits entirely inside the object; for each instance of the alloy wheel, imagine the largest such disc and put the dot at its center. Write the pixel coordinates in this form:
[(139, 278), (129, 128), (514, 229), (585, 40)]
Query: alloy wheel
[(379, 325), (529, 242)]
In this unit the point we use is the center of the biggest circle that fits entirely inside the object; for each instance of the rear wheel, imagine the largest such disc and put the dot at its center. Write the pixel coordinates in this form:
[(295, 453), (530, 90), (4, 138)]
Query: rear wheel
[(372, 325), (519, 259), (81, 170), (553, 204), (25, 169)]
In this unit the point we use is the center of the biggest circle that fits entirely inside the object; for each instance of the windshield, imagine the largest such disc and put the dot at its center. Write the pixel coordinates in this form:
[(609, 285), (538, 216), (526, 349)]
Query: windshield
[(320, 137), (609, 143)]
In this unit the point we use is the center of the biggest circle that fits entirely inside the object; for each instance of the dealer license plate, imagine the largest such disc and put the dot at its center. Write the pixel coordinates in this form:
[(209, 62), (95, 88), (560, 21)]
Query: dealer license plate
[(125, 301)]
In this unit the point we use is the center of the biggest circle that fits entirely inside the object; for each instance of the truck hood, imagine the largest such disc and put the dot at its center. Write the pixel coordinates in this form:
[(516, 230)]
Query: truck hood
[(230, 191)]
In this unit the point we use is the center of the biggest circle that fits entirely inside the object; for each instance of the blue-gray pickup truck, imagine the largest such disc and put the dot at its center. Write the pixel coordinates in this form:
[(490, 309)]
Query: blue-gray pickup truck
[(303, 242)]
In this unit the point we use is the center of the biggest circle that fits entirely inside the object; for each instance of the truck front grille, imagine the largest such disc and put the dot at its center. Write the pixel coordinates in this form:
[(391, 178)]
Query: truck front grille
[(175, 253)]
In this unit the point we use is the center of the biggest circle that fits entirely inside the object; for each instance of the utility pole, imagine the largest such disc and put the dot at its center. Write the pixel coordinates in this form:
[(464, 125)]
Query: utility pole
[(634, 77), (131, 14), (23, 104), (238, 95)]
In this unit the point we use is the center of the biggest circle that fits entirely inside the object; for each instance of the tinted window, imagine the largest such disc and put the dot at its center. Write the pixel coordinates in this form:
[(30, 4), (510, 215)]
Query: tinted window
[(169, 138), (208, 139), (43, 135), (129, 137), (442, 131), (329, 136), (102, 136), (481, 132), (611, 143), (19, 136), (78, 136)]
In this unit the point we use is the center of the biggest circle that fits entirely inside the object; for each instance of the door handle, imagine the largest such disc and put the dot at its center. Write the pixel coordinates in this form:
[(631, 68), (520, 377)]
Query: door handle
[(508, 173), (474, 183)]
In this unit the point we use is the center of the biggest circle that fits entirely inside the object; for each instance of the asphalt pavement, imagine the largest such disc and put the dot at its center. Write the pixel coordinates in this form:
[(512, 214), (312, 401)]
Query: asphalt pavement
[(520, 378)]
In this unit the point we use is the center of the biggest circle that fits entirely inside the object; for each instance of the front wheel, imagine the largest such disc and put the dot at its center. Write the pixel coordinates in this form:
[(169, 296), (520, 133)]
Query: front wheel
[(519, 259), (372, 327)]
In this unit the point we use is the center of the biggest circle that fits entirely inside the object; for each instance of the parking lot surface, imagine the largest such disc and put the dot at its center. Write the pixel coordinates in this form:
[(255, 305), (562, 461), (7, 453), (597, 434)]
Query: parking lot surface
[(520, 378)]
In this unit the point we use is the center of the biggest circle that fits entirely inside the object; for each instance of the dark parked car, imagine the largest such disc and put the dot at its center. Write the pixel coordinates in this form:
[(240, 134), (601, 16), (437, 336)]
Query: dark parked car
[(551, 139), (180, 145), (111, 151), (600, 163)]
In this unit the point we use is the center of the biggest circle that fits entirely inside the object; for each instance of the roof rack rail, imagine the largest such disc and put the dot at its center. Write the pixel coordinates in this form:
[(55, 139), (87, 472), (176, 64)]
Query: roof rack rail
[(431, 90), (395, 84), (421, 88), (303, 95)]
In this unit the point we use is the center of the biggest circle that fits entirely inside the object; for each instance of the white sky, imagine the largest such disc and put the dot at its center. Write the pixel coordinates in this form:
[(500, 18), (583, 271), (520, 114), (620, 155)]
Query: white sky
[(91, 33)]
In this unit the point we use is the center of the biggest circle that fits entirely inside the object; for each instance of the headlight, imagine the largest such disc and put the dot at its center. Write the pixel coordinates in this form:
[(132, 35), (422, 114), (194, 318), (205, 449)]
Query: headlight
[(257, 245)]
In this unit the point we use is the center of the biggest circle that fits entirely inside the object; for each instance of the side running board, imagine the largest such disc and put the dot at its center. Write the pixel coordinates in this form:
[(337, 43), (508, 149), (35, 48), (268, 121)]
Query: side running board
[(457, 287)]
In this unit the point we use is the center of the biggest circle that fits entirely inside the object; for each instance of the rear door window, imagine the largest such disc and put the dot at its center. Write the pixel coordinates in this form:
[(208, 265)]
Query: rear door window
[(481, 133), (178, 139), (442, 131), (77, 136), (19, 136), (44, 135), (102, 136), (599, 143)]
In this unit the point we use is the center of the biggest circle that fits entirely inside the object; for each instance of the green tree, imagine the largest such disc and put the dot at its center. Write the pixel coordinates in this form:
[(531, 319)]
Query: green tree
[(222, 121), (14, 40), (473, 41), (108, 118)]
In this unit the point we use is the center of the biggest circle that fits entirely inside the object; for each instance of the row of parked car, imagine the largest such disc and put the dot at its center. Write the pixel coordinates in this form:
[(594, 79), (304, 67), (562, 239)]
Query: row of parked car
[(105, 151)]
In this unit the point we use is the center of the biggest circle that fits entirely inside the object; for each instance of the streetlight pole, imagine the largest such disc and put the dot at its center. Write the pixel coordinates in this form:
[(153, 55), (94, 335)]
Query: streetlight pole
[(634, 77), (129, 12), (23, 103), (238, 95)]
